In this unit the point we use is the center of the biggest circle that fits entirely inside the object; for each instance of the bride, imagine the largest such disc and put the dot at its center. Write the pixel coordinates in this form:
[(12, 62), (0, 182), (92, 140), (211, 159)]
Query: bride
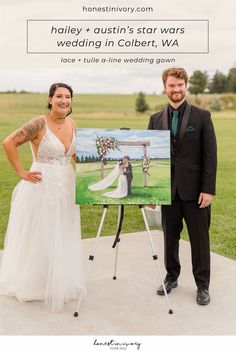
[(42, 254), (122, 189)]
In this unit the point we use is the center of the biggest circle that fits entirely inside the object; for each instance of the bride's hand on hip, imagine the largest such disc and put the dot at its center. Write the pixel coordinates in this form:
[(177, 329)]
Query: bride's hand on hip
[(31, 176)]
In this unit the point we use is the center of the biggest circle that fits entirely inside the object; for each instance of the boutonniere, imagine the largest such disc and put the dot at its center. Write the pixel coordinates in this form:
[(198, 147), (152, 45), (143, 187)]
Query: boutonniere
[(190, 129)]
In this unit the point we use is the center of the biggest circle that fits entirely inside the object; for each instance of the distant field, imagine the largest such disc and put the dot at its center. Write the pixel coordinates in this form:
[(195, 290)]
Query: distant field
[(115, 111)]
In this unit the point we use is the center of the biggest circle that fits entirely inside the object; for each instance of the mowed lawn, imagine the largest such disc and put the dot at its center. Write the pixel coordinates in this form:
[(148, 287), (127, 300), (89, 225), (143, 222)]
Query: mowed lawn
[(116, 111)]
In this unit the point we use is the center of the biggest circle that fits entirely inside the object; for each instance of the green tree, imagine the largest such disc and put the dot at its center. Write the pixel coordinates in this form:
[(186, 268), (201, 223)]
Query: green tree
[(216, 105), (198, 82), (141, 104), (218, 83), (231, 81)]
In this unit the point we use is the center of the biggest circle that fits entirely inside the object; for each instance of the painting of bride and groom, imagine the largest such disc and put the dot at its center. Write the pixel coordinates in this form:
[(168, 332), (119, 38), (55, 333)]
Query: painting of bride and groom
[(120, 166)]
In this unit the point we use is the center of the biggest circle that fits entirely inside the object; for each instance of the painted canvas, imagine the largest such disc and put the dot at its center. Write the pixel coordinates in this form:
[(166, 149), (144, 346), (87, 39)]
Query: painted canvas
[(120, 166)]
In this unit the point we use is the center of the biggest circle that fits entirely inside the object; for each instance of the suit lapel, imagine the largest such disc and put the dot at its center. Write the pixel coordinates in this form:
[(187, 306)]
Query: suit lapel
[(165, 118), (165, 123), (184, 124)]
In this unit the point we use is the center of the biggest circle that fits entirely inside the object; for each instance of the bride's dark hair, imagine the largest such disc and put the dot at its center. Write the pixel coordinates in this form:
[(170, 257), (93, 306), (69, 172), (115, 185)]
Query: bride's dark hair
[(52, 91)]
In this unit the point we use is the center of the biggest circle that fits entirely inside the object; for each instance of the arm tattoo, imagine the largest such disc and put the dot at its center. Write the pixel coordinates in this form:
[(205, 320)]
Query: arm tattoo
[(29, 131)]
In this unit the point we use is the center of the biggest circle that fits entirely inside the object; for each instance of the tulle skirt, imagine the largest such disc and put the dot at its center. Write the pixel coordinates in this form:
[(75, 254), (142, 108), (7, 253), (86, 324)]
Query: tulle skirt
[(121, 190), (42, 254)]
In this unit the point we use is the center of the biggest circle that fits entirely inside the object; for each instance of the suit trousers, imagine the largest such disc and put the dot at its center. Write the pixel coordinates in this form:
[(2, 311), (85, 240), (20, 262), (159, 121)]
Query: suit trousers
[(198, 223)]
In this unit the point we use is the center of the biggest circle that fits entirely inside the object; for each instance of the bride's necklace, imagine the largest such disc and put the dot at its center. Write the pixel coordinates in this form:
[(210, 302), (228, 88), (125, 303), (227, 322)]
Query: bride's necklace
[(59, 126)]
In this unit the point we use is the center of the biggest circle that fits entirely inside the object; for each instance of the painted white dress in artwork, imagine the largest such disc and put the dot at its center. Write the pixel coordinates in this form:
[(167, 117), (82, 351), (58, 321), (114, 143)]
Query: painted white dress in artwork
[(42, 254), (122, 188)]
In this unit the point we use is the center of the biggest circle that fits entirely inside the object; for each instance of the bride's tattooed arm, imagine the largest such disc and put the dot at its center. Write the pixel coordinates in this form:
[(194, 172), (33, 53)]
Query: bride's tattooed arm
[(28, 131)]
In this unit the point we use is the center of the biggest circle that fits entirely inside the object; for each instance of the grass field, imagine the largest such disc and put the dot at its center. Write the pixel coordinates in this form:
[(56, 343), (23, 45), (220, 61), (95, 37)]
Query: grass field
[(157, 191), (115, 111)]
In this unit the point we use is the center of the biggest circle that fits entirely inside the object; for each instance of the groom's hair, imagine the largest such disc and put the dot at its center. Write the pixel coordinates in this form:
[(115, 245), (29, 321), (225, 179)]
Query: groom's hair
[(179, 73), (126, 157)]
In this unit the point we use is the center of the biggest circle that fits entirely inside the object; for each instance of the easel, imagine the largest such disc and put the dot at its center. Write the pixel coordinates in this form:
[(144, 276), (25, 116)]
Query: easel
[(116, 244)]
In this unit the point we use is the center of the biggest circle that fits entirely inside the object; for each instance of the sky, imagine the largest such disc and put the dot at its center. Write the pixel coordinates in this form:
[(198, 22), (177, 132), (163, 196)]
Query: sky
[(159, 142), (36, 72)]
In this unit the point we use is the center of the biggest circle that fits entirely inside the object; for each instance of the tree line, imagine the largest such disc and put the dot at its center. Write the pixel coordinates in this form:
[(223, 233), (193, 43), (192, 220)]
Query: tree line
[(87, 158), (200, 82)]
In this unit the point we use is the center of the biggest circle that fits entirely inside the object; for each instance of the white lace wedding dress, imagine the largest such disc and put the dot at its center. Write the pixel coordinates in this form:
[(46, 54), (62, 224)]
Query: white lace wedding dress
[(107, 181), (42, 254), (122, 189)]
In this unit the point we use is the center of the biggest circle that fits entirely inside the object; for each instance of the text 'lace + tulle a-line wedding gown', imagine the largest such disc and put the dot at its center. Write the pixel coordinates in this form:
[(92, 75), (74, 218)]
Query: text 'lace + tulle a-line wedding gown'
[(42, 254)]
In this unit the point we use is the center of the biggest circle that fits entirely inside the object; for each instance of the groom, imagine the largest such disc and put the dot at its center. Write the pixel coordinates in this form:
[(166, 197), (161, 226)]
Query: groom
[(128, 172), (193, 179)]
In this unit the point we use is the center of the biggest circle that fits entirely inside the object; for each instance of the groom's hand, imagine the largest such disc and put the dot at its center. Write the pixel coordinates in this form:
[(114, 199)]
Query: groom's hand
[(152, 206)]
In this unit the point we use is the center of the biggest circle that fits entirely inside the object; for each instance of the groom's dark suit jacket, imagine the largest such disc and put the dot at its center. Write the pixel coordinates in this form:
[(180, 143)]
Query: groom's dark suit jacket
[(129, 176), (193, 156)]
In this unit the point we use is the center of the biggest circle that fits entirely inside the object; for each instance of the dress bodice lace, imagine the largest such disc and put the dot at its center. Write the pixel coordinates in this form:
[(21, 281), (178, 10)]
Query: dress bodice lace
[(52, 151)]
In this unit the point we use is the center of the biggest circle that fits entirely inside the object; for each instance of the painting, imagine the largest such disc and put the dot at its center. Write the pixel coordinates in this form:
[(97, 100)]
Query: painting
[(122, 166)]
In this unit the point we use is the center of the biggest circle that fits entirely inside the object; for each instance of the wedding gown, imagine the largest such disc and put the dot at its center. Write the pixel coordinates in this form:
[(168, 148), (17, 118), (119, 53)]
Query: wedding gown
[(122, 188), (42, 255), (107, 181)]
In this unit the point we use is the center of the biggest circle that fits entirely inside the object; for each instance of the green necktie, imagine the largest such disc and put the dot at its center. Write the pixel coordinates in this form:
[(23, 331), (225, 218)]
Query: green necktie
[(174, 123)]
